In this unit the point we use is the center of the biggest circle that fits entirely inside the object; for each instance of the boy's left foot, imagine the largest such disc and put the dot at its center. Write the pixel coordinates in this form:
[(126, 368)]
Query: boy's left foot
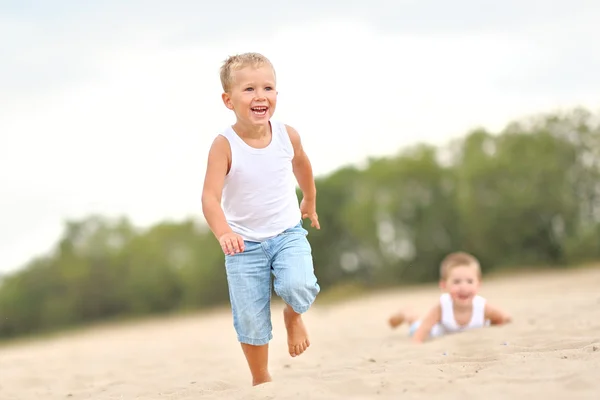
[(296, 331)]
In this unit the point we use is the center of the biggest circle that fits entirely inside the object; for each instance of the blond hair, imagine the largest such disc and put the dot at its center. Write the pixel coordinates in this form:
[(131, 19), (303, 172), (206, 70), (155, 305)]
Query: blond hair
[(458, 259), (239, 61)]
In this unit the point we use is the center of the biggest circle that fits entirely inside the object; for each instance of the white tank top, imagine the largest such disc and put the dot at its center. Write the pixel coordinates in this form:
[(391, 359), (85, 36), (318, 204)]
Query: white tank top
[(448, 321), (259, 194)]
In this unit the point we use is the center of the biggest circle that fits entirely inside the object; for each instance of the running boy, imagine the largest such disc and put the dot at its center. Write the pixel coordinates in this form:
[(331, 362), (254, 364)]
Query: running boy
[(459, 308), (249, 201)]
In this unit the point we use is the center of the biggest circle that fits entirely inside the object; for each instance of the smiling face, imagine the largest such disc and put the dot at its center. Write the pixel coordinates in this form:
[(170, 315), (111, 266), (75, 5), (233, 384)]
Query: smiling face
[(252, 94), (462, 283)]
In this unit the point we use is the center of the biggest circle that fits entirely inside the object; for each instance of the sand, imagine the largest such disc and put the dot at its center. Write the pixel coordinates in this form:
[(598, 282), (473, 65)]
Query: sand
[(551, 351)]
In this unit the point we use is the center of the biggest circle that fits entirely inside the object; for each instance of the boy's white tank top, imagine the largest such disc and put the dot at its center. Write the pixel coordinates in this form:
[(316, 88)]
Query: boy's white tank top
[(448, 321), (259, 194)]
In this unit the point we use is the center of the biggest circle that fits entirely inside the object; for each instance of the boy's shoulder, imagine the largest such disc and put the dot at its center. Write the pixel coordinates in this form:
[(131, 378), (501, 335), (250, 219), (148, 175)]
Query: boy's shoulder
[(291, 133), (221, 145), (276, 123), (224, 132), (282, 127)]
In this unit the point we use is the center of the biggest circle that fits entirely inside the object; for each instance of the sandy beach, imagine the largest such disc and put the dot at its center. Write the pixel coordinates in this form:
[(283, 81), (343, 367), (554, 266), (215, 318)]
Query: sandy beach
[(551, 351)]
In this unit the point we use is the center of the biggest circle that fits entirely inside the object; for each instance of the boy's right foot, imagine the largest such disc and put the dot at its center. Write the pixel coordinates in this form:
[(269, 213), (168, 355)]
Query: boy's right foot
[(259, 380), (396, 320), (401, 317)]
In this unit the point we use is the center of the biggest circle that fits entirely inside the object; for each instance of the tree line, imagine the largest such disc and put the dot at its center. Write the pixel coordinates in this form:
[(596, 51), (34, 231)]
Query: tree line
[(528, 195)]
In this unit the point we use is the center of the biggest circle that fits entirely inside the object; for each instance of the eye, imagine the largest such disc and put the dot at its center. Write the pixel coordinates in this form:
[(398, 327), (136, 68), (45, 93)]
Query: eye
[(456, 281), (470, 281), (269, 88), (248, 89)]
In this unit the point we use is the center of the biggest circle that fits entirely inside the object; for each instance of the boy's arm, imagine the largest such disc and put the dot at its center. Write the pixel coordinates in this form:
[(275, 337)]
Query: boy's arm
[(302, 167), (432, 318), (304, 175), (496, 316), (216, 170)]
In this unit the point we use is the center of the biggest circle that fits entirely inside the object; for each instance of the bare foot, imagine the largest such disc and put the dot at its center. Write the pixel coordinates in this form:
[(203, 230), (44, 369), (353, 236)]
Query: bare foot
[(396, 320), (296, 331), (259, 380), (401, 317)]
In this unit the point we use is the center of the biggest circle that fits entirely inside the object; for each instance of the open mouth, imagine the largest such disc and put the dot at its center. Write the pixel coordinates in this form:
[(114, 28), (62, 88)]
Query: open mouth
[(259, 110), (463, 296)]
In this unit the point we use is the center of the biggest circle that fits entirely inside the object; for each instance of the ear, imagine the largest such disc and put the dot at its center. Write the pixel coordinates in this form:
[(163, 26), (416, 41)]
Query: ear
[(227, 100), (442, 284)]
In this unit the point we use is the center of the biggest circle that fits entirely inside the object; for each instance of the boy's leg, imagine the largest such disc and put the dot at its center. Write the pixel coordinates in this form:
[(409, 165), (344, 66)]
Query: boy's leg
[(295, 283), (258, 362), (249, 281)]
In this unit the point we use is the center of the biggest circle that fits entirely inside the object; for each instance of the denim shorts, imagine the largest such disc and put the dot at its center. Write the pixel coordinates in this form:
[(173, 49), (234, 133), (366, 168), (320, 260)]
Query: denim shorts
[(436, 331), (288, 256)]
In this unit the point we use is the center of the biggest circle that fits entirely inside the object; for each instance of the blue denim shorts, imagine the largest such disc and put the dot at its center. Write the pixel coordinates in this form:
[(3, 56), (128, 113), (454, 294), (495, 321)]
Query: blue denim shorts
[(288, 256), (436, 331)]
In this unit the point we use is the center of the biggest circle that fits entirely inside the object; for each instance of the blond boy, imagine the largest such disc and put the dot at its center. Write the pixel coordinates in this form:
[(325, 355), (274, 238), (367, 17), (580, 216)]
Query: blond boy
[(459, 308), (249, 201)]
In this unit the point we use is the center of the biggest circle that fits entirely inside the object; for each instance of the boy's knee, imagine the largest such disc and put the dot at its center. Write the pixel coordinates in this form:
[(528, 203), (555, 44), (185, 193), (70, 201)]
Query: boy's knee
[(299, 294)]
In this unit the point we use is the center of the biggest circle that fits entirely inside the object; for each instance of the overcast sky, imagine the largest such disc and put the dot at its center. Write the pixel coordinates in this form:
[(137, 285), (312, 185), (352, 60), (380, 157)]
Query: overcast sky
[(109, 107)]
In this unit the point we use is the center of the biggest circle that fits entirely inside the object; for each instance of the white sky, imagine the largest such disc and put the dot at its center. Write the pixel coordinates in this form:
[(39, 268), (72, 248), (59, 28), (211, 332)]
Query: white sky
[(111, 110)]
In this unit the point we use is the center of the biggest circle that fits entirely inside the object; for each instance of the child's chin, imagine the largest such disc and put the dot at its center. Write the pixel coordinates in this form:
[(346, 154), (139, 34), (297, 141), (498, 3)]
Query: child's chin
[(463, 300)]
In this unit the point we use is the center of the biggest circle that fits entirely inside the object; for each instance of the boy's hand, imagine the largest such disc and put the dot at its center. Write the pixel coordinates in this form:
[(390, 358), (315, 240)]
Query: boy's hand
[(231, 243), (308, 208)]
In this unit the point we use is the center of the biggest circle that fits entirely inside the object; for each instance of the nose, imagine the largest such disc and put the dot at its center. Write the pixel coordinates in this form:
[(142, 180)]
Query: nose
[(259, 94)]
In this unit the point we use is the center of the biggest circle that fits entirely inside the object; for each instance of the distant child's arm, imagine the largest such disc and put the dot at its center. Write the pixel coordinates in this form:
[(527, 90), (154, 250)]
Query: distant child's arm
[(432, 318), (496, 316), (216, 170), (304, 175)]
